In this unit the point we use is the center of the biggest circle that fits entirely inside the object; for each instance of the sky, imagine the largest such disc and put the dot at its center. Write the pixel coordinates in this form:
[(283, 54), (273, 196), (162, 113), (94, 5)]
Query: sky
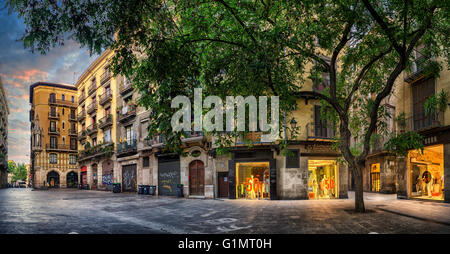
[(19, 68)]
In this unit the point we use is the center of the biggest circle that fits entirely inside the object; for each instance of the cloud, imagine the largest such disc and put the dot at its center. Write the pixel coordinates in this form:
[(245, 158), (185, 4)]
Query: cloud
[(19, 68)]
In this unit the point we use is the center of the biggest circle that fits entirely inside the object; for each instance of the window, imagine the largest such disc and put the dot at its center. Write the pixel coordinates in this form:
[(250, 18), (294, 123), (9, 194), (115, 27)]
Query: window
[(53, 142), (63, 111), (94, 141), (146, 162), (63, 125), (107, 111), (62, 97), (421, 91), (53, 111), (319, 85), (72, 159), (107, 90), (72, 113), (322, 127), (73, 144), (107, 136), (53, 126), (293, 159), (73, 98), (129, 134), (63, 140), (53, 158), (52, 97)]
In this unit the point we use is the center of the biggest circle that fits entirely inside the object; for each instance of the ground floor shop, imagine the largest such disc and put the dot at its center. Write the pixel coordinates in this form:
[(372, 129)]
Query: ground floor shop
[(380, 174), (304, 172)]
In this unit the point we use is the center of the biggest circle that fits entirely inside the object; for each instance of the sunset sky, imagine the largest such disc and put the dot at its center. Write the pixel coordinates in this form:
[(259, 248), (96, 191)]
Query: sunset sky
[(19, 68)]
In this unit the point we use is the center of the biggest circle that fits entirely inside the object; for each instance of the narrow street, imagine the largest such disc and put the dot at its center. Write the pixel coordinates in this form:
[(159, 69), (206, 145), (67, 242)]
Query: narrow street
[(85, 212)]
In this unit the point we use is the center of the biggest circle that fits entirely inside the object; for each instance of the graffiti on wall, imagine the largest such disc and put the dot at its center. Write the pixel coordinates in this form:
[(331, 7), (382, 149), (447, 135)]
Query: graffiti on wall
[(107, 179)]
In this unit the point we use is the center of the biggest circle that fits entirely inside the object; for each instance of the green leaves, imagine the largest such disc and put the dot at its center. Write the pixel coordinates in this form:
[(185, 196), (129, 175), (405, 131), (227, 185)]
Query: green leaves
[(400, 144)]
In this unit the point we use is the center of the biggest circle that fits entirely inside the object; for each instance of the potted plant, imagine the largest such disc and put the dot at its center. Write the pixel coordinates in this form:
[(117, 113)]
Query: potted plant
[(401, 121), (435, 103)]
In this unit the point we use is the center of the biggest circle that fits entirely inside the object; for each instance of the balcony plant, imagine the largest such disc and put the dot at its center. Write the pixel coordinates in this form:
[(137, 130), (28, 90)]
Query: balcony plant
[(401, 121), (436, 103)]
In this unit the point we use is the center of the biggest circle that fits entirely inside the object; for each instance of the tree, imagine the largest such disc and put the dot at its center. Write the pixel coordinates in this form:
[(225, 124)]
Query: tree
[(264, 47), (18, 171)]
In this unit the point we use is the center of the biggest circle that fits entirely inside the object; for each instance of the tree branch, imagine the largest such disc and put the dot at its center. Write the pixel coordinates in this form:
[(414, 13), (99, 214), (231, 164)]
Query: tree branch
[(361, 75), (384, 26), (336, 52), (239, 20)]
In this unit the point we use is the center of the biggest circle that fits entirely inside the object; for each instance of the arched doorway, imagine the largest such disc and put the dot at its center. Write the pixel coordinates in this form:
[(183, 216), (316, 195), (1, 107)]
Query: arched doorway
[(197, 178), (53, 179), (72, 179)]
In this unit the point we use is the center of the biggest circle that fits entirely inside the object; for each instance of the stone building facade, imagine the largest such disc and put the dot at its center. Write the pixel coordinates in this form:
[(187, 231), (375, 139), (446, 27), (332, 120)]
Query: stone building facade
[(4, 112), (426, 175), (53, 135)]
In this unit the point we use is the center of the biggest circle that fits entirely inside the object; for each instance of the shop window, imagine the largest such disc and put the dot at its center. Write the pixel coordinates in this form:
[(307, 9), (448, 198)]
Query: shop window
[(375, 177), (293, 159), (146, 162), (427, 173), (322, 181), (252, 180)]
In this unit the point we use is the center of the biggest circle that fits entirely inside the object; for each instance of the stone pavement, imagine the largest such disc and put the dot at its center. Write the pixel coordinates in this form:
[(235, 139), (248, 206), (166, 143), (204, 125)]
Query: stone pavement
[(80, 211)]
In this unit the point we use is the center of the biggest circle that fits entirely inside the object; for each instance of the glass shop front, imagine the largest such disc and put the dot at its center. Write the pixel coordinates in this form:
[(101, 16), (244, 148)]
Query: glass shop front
[(253, 180), (322, 181), (427, 173)]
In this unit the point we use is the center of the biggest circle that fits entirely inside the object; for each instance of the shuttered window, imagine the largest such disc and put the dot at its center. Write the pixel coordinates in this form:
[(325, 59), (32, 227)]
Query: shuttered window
[(421, 91)]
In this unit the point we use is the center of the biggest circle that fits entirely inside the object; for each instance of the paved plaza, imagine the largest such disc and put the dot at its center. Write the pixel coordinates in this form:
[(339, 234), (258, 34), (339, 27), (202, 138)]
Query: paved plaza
[(84, 212)]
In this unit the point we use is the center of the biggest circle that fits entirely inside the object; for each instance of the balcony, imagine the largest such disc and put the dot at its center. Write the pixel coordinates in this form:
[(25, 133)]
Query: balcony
[(92, 87), (417, 67), (73, 132), (81, 116), (127, 148), (105, 97), (127, 114), (422, 122), (72, 117), (82, 135), (100, 150), (125, 87), (157, 141), (60, 148), (53, 131), (64, 103), (106, 75), (53, 115), (92, 129), (81, 98), (192, 136), (91, 108), (105, 121), (319, 132)]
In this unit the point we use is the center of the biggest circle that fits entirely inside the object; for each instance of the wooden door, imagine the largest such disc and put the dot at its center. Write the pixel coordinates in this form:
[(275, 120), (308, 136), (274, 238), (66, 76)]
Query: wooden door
[(197, 178), (223, 184)]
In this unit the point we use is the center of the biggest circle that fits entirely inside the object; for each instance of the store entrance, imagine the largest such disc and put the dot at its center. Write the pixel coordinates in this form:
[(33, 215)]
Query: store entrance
[(322, 182), (253, 180), (427, 173), (375, 177)]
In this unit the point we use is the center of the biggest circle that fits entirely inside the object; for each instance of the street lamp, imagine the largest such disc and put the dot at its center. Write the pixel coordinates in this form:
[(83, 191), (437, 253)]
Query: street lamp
[(293, 124)]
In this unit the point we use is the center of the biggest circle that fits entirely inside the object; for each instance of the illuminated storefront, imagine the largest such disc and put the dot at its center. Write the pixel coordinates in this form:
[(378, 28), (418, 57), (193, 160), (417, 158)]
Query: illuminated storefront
[(426, 179), (375, 177), (253, 180), (322, 181)]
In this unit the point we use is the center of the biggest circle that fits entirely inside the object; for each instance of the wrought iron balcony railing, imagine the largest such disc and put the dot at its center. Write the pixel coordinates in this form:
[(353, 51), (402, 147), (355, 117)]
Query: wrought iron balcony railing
[(314, 131)]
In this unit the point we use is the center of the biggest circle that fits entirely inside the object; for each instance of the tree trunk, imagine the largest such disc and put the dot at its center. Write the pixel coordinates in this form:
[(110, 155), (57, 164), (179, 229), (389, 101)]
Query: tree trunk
[(359, 192)]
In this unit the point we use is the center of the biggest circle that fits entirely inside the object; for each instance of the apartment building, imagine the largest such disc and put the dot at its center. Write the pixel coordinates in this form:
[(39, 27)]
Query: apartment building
[(98, 95), (53, 135), (4, 112), (424, 176)]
